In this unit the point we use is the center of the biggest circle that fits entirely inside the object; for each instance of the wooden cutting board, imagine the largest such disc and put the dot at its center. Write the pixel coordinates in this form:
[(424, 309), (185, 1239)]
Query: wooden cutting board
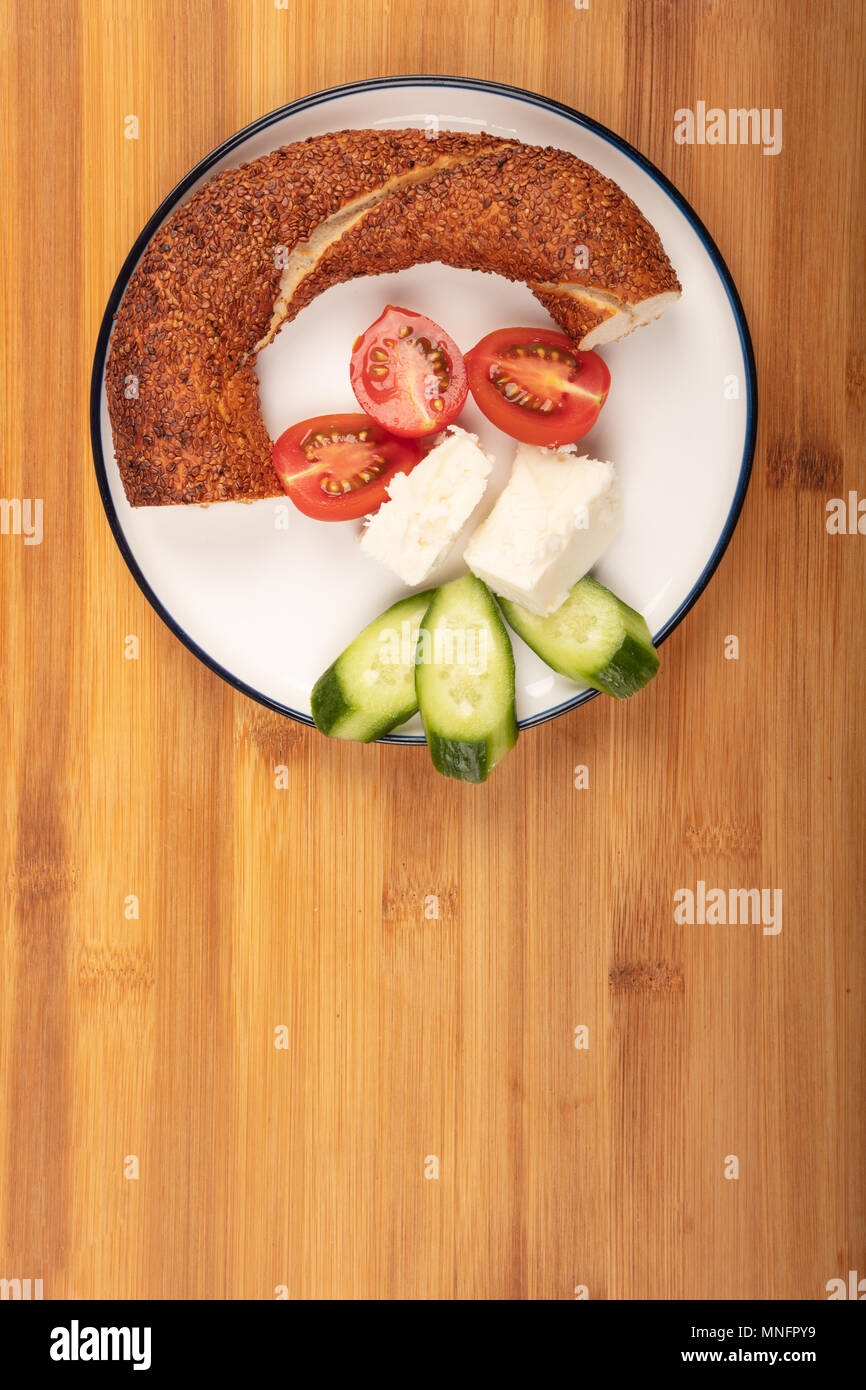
[(286, 1072)]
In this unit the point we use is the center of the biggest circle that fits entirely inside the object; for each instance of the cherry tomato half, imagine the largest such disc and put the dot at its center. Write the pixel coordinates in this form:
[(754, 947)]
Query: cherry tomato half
[(408, 374), (336, 467), (536, 385)]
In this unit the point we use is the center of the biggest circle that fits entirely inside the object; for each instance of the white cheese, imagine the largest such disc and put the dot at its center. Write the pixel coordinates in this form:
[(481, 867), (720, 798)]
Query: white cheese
[(413, 532), (558, 513)]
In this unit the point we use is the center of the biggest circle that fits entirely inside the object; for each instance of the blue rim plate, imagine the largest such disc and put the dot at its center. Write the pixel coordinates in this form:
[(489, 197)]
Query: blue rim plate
[(395, 83)]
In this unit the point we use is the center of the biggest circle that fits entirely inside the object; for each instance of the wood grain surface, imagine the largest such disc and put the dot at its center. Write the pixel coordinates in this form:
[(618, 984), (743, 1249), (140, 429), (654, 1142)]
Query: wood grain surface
[(409, 1037)]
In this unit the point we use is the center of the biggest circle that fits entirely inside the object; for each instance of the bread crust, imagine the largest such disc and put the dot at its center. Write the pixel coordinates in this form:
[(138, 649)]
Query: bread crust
[(210, 289)]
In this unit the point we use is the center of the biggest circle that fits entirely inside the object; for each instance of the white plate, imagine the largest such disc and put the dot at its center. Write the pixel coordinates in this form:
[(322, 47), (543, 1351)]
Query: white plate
[(269, 606)]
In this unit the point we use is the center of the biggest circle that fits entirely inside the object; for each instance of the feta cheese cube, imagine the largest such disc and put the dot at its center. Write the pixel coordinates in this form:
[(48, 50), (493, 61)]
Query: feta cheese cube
[(413, 532), (557, 514)]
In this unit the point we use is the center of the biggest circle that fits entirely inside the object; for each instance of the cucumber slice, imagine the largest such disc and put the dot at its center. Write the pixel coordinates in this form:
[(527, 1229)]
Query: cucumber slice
[(593, 637), (464, 676), (370, 688)]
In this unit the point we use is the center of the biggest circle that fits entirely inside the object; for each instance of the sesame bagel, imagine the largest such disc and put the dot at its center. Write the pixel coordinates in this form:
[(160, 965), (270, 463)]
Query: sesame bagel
[(256, 244)]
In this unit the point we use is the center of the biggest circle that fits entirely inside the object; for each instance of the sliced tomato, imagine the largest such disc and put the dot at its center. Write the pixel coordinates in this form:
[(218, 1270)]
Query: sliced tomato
[(408, 374), (536, 385), (336, 467)]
